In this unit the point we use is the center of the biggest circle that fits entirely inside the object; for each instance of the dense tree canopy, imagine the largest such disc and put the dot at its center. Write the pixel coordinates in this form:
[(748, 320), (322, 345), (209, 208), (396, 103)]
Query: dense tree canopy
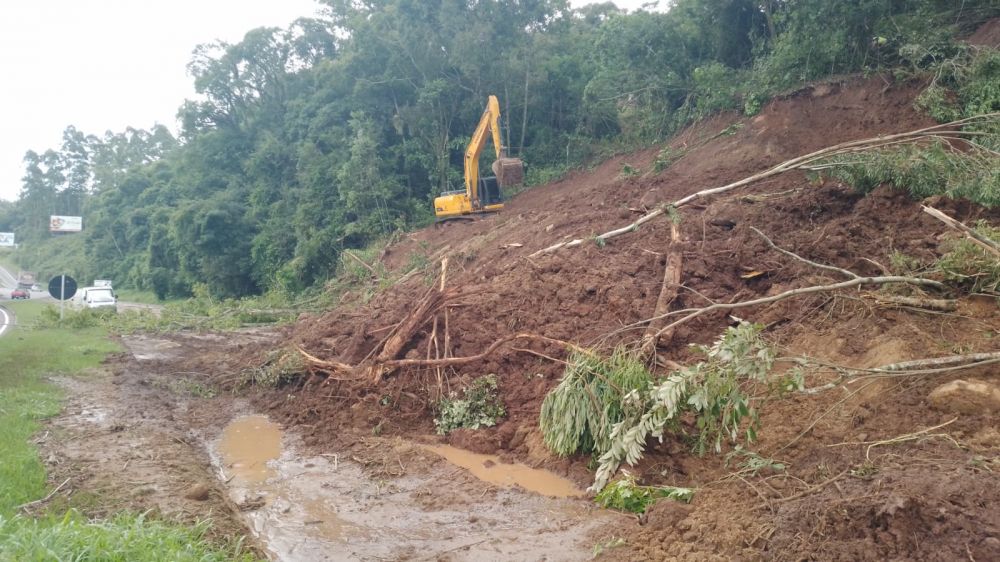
[(331, 133)]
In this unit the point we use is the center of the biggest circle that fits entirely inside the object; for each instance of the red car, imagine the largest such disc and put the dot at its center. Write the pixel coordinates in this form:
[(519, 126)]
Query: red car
[(20, 294)]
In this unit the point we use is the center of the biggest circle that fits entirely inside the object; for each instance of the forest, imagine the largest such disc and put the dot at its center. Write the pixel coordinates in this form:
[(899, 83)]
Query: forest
[(340, 130)]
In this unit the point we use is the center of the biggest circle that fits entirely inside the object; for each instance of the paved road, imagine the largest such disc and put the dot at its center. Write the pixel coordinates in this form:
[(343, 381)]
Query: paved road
[(7, 282)]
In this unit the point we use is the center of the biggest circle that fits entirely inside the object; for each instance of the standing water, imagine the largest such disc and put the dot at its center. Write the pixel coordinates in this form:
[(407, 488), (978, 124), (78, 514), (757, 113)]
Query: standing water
[(329, 508)]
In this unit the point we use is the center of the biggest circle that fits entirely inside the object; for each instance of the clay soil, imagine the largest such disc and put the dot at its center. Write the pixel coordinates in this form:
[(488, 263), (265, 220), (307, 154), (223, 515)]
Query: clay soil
[(928, 498), (857, 484)]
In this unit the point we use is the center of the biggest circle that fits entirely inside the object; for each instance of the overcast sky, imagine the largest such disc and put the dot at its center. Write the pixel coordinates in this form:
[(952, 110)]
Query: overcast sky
[(103, 65)]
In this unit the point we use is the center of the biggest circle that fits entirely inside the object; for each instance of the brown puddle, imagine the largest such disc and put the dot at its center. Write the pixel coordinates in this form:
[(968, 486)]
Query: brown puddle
[(488, 468), (248, 445), (324, 507)]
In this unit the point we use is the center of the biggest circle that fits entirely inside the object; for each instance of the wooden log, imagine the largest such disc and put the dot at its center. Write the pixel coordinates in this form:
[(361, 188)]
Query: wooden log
[(668, 293)]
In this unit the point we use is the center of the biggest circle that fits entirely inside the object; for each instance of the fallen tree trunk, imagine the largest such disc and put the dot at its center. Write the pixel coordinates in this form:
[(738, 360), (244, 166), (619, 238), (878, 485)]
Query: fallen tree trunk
[(668, 293)]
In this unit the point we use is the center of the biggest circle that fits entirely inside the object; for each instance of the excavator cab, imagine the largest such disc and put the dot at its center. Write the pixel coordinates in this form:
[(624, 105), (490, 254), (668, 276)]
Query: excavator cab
[(489, 191), (481, 194)]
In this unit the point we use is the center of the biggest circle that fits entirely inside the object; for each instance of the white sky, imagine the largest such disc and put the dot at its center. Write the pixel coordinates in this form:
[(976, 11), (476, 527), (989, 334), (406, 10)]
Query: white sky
[(104, 65)]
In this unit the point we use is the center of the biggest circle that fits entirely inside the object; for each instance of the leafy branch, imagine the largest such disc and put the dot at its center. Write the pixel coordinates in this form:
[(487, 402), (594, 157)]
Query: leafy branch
[(711, 390)]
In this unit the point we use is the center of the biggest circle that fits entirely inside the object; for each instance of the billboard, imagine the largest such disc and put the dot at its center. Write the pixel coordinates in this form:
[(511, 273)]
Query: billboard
[(7, 239), (59, 223)]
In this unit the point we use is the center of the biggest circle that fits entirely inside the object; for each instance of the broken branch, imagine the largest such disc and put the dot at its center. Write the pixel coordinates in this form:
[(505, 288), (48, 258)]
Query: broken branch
[(694, 313), (980, 240)]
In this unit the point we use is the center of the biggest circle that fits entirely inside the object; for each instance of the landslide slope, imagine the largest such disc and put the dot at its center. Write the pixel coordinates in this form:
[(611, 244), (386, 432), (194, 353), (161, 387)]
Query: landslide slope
[(927, 497)]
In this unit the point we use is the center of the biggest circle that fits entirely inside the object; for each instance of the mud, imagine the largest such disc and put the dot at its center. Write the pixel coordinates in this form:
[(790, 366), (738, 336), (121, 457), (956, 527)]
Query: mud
[(328, 507), (149, 416), (863, 475), (585, 294)]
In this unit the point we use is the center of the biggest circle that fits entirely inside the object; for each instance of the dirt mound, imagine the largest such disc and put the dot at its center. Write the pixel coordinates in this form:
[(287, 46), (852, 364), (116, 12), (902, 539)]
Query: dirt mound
[(988, 35), (877, 507)]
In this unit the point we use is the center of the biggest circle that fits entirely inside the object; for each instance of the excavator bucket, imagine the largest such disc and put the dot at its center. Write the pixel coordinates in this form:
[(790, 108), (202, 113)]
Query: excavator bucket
[(509, 171)]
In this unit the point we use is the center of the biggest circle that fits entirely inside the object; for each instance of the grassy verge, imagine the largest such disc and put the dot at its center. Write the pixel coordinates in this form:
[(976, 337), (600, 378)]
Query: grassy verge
[(28, 355), (135, 295)]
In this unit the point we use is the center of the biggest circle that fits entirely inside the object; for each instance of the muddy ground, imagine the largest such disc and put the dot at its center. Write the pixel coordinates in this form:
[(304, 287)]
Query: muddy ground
[(148, 433), (873, 470)]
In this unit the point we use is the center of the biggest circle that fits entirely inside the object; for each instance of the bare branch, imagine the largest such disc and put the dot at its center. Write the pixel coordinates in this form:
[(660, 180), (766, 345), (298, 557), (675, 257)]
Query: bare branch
[(848, 274), (978, 239), (952, 129)]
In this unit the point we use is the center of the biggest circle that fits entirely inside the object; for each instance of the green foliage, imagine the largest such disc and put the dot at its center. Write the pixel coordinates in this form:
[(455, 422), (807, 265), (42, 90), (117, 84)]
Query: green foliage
[(666, 158), (903, 264), (124, 537), (74, 317), (624, 494), (608, 544), (325, 136), (716, 392), (931, 169), (628, 171), (752, 463), (203, 312), (280, 367), (478, 407), (578, 414), (970, 265)]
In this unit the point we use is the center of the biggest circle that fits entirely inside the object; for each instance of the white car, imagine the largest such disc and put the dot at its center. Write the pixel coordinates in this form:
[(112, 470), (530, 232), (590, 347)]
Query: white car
[(96, 297)]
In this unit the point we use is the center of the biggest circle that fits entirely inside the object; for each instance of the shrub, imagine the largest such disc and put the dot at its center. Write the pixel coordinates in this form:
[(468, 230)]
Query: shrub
[(624, 494), (969, 264), (478, 407)]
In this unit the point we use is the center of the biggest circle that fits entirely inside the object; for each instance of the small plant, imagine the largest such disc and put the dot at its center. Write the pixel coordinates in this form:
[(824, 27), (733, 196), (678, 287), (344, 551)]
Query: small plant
[(417, 260), (902, 264), (478, 407), (666, 158), (191, 387), (628, 171), (752, 463), (624, 494), (969, 264), (608, 544), (279, 367), (730, 130), (752, 104)]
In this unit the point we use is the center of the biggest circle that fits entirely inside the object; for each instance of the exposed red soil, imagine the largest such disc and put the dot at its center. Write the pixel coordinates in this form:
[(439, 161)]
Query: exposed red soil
[(988, 35), (920, 499)]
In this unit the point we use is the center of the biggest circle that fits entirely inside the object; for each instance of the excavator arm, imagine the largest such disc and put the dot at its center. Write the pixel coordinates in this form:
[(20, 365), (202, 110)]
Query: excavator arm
[(489, 122)]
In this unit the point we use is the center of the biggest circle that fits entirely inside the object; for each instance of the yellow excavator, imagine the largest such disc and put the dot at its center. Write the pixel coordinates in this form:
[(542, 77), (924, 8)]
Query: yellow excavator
[(481, 195)]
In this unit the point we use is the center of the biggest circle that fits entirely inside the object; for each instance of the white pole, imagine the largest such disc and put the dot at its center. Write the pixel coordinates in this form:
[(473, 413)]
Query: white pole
[(62, 296)]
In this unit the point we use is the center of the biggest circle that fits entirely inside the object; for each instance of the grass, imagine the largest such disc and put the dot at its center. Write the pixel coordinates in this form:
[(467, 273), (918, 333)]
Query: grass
[(28, 355), (135, 295)]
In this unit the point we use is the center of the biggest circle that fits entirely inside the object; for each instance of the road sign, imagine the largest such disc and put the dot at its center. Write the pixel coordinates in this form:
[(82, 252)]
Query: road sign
[(62, 287)]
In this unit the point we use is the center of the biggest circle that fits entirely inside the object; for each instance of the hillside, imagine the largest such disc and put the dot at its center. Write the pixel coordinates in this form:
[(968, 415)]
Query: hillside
[(853, 489)]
